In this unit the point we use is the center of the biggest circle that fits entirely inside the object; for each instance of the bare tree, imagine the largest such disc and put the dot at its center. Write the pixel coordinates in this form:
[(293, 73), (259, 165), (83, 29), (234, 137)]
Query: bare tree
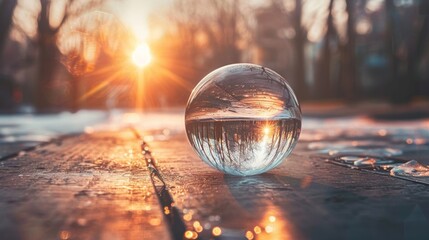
[(299, 43), (46, 39), (391, 46), (404, 55), (210, 31), (198, 37), (186, 24), (417, 50), (323, 83), (224, 27), (348, 57)]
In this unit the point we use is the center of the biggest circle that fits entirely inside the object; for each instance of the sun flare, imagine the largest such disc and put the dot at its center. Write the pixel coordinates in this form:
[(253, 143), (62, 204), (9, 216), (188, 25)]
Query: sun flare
[(142, 56)]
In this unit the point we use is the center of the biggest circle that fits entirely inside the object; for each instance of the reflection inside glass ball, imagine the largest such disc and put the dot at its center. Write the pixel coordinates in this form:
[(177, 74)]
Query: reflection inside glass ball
[(243, 119)]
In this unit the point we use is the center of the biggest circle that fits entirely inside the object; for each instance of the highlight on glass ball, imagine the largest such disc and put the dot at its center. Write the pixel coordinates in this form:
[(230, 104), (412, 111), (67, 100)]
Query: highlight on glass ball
[(243, 119)]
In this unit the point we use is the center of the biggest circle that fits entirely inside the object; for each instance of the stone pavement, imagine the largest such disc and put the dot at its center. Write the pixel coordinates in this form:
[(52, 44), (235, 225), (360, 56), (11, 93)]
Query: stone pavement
[(98, 186)]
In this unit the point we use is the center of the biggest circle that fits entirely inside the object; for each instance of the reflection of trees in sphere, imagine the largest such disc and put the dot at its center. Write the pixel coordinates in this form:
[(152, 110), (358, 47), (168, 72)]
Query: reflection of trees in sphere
[(243, 119)]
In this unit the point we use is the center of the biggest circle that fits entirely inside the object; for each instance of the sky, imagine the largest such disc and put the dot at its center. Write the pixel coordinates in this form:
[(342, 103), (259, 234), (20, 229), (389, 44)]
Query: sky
[(134, 13)]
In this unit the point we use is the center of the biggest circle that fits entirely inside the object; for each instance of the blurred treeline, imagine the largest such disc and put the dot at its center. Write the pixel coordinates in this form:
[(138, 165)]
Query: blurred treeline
[(74, 54)]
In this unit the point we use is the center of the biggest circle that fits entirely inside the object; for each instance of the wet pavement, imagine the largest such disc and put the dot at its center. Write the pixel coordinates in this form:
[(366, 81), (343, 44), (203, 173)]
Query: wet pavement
[(348, 178)]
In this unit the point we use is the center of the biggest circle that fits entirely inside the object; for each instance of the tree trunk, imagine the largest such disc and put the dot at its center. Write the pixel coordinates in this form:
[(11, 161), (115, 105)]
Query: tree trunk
[(6, 13), (47, 65), (299, 42), (323, 80), (416, 54), (351, 88), (396, 87), (47, 60)]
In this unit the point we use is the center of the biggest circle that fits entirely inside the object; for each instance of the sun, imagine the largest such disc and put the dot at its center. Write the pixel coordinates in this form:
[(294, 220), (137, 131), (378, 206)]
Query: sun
[(141, 56)]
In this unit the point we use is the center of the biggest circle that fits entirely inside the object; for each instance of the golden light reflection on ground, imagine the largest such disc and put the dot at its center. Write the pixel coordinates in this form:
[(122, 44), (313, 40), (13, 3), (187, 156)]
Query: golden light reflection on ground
[(271, 226), (217, 231)]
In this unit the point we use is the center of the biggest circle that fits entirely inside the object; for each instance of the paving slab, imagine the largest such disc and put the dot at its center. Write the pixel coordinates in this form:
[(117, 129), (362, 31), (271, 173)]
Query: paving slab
[(85, 187)]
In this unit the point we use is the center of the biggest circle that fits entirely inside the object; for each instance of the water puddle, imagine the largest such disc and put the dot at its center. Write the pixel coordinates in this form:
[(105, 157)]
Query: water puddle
[(395, 152), (410, 169), (372, 162), (399, 168), (382, 152), (351, 159)]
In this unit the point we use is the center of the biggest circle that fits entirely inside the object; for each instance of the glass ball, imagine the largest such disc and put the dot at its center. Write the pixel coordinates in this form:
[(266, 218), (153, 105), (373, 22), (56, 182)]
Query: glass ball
[(243, 119)]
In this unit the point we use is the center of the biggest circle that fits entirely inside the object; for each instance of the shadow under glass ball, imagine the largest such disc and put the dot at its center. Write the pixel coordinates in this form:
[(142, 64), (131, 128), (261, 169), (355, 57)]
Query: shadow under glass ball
[(243, 119)]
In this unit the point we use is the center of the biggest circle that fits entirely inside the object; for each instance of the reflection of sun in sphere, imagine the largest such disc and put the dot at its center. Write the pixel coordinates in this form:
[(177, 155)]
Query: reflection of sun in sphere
[(266, 130), (141, 56), (243, 119)]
